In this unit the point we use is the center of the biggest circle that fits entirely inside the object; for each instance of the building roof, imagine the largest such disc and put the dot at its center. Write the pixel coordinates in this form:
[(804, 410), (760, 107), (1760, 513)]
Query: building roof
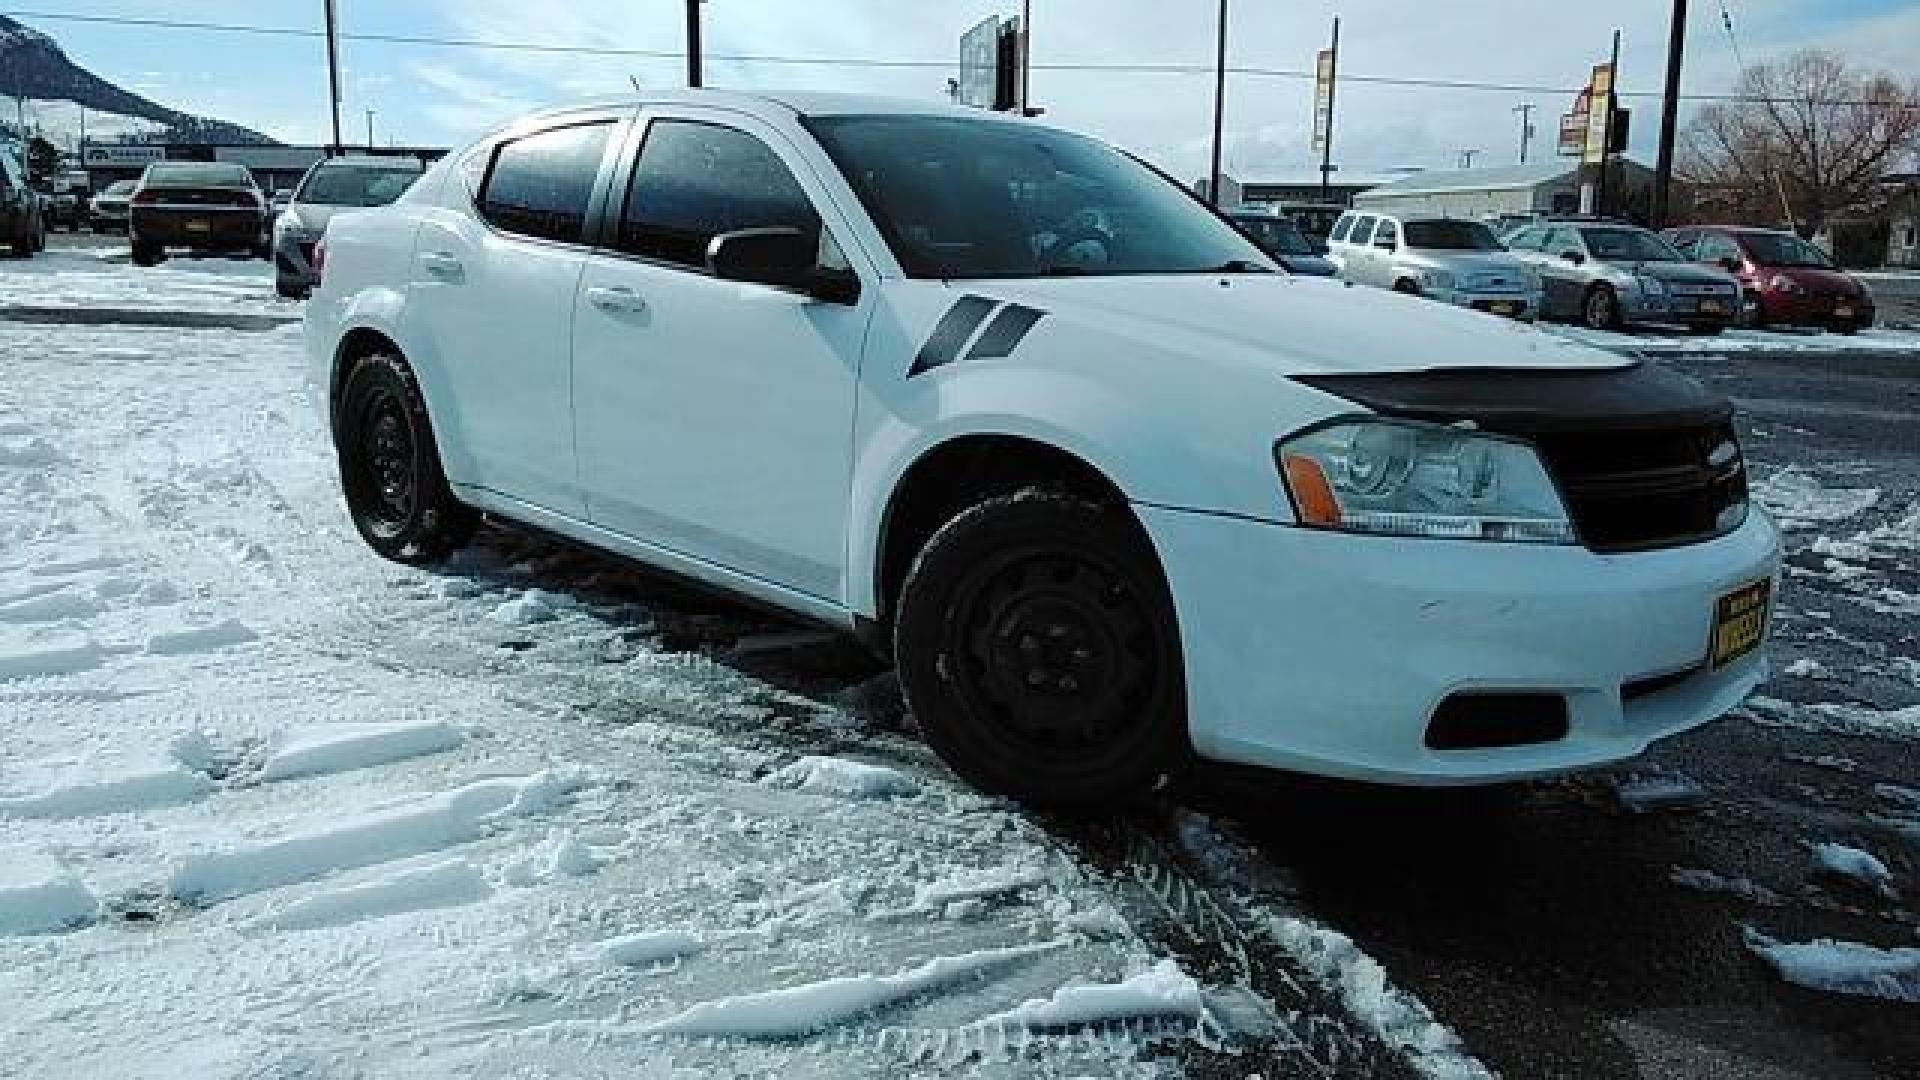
[(1505, 178)]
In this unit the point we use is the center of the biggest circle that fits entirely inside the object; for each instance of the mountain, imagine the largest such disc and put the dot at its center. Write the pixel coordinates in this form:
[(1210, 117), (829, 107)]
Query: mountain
[(33, 66)]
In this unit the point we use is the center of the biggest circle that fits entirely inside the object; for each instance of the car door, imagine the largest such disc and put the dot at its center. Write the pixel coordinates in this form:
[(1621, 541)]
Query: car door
[(715, 417), (492, 292), (1383, 254), (1355, 253), (1563, 281)]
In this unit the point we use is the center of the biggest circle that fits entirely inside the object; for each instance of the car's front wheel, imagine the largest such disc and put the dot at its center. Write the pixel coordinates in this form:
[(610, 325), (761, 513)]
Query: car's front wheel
[(1038, 651), (390, 467), (1602, 309)]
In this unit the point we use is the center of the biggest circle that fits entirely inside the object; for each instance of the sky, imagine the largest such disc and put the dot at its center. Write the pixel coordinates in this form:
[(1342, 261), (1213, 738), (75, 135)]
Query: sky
[(446, 95)]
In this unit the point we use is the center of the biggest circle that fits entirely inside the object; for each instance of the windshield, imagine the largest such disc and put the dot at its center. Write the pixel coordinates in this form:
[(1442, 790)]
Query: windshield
[(198, 176), (1784, 249), (355, 185), (1628, 245), (962, 198), (1451, 236), (1277, 235)]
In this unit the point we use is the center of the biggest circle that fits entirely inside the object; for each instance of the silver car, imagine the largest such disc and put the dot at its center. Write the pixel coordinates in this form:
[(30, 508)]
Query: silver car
[(1609, 276), (330, 186), (110, 206), (1452, 260)]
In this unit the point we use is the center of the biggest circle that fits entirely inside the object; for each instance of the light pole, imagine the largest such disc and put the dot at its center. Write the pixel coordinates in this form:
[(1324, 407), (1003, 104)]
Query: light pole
[(333, 71), (1219, 107), (369, 131), (1525, 110), (693, 43), (1669, 114)]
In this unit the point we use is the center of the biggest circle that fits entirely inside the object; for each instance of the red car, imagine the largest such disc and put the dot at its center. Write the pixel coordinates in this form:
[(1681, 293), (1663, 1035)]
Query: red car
[(1784, 281)]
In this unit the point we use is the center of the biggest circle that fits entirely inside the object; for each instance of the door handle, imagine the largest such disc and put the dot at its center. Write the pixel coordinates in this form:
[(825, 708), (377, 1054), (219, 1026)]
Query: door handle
[(443, 266), (616, 300)]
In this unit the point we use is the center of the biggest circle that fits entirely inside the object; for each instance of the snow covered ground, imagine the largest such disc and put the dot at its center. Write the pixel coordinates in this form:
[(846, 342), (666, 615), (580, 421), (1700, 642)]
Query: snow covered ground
[(272, 807), (1658, 342)]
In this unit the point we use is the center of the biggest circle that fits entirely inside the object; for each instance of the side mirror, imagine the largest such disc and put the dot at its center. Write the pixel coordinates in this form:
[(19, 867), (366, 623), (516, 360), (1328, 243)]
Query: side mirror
[(781, 256), (1574, 257)]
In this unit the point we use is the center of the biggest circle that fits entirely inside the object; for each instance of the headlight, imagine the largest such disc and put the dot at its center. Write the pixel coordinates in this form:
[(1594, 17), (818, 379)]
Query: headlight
[(1436, 279), (1653, 286), (1400, 478)]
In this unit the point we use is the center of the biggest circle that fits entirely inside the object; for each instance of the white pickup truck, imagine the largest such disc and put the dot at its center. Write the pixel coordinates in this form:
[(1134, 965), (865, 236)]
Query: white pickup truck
[(1112, 490)]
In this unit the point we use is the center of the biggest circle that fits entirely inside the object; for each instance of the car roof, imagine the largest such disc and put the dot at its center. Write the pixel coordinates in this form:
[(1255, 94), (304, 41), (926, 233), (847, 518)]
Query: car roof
[(777, 105), (375, 161)]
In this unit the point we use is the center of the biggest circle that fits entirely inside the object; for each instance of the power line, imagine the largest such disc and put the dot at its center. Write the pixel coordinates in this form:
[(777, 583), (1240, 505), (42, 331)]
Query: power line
[(879, 63)]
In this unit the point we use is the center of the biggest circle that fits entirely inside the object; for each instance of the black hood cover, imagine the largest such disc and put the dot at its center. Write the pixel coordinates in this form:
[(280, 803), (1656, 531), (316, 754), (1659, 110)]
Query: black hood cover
[(1527, 402)]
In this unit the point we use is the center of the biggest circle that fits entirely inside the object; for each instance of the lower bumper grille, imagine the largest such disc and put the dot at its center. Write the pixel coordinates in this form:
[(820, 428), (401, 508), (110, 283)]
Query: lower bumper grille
[(1635, 490)]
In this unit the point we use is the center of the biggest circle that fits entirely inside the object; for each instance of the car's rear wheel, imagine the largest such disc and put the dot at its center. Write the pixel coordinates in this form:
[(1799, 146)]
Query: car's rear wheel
[(1602, 308), (390, 467), (1038, 651)]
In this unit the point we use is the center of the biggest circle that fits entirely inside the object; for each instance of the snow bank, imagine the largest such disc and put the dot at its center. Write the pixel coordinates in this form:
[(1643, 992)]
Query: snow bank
[(847, 779), (1399, 1018), (117, 791), (1842, 967), (813, 1007), (647, 950), (1161, 991), (333, 748), (1856, 867), (442, 885), (39, 895), (428, 825)]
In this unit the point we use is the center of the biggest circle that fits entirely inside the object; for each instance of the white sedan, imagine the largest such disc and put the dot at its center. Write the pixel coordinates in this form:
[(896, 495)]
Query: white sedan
[(1112, 489)]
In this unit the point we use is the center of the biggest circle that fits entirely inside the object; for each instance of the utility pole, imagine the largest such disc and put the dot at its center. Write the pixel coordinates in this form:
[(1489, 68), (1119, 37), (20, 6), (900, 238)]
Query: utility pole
[(1669, 115), (1026, 55), (693, 43), (1219, 107), (1525, 110), (1466, 158), (369, 131), (1606, 144), (333, 72), (1326, 143)]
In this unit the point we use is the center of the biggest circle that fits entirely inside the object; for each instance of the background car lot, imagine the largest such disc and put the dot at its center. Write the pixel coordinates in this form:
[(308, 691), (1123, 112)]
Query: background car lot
[(200, 575)]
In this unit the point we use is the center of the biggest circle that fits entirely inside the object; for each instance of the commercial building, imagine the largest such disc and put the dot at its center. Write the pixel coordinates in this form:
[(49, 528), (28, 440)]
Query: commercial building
[(1547, 187), (275, 168), (1304, 188)]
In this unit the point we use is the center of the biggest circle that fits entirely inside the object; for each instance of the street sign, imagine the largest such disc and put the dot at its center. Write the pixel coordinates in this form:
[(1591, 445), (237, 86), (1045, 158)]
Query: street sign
[(119, 154), (1323, 100), (980, 63), (1599, 115)]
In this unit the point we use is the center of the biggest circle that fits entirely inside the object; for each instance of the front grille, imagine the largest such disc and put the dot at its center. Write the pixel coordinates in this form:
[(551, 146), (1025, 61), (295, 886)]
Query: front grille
[(1631, 490)]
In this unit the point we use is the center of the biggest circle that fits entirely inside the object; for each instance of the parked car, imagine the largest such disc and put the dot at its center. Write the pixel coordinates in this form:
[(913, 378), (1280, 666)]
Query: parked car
[(1609, 276), (1451, 260), (1110, 497), (1314, 220), (1784, 281), (205, 206), (330, 186), (23, 225), (1281, 239), (110, 206), (66, 210)]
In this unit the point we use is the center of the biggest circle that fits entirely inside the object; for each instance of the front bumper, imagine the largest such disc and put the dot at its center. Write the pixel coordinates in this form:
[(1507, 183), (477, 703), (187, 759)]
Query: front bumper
[(1638, 307), (1329, 653), (218, 228), (1514, 305)]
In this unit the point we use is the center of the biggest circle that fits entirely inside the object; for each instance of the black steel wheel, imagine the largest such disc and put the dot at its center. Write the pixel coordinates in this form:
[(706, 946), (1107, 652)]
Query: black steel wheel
[(390, 467), (1039, 654)]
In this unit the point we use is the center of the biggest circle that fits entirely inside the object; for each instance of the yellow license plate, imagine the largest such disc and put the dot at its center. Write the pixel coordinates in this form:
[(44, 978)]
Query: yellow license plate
[(1740, 622), (1843, 313), (1713, 307), (198, 226), (1501, 307)]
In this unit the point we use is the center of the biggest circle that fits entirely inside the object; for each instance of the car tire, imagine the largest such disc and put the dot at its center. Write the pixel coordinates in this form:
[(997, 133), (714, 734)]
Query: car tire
[(1600, 310), (397, 493), (1410, 288), (1038, 652), (147, 254)]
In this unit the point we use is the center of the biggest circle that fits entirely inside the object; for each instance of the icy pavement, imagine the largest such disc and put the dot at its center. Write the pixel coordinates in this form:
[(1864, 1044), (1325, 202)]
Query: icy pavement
[(272, 807)]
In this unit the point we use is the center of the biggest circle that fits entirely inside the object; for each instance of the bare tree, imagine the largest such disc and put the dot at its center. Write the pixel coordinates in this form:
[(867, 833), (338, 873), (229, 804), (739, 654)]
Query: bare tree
[(1800, 141)]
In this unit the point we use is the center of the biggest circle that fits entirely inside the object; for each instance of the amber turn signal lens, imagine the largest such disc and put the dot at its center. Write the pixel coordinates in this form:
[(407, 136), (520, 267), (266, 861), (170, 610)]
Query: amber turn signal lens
[(1312, 491)]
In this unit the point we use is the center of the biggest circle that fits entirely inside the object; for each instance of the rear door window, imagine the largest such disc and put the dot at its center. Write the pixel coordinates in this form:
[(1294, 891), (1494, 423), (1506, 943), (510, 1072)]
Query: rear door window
[(540, 185), (695, 181), (1362, 229)]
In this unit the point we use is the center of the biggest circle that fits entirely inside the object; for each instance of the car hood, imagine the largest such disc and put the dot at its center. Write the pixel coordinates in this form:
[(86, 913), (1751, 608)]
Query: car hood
[(1816, 279), (1295, 325)]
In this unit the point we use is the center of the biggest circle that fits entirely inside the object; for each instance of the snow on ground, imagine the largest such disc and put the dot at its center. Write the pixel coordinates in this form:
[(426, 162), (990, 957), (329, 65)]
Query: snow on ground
[(1842, 967), (1733, 341), (272, 807), (1857, 868)]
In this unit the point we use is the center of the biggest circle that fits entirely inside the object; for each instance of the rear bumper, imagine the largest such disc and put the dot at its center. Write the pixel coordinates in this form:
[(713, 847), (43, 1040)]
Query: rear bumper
[(1329, 653), (212, 227)]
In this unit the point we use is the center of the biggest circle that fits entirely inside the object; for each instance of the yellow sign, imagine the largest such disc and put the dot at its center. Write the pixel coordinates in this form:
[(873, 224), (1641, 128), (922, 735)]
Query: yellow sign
[(1599, 114)]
